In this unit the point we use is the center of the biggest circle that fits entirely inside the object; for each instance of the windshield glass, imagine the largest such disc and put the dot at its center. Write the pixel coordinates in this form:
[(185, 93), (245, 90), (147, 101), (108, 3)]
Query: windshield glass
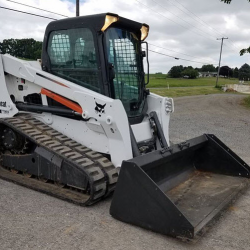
[(123, 49)]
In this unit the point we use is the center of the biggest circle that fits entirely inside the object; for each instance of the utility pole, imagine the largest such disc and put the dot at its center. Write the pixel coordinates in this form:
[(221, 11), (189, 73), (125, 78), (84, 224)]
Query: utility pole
[(220, 58), (77, 8)]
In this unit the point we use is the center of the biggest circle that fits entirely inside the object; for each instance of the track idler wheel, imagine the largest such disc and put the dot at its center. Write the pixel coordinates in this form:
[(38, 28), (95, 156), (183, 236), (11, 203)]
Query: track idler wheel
[(9, 139), (12, 141)]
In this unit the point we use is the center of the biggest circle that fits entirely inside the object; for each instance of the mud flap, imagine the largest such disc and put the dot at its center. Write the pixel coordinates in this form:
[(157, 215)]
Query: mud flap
[(179, 191)]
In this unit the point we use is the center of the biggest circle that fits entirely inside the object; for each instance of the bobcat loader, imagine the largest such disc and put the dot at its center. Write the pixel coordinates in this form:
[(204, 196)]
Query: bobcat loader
[(70, 125)]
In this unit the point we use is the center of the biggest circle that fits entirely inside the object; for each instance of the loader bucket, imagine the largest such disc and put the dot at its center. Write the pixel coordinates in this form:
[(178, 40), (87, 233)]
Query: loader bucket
[(179, 191)]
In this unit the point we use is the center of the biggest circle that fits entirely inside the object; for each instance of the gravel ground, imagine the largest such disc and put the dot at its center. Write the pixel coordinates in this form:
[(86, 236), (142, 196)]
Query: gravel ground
[(31, 220)]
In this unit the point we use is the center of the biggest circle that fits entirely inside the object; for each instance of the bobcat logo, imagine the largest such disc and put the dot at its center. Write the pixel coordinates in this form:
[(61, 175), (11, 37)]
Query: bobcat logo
[(3, 104), (99, 108)]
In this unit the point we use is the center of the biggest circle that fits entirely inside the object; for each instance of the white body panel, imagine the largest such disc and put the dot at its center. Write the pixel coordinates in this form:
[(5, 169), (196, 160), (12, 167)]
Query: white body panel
[(106, 132), (7, 107), (91, 134)]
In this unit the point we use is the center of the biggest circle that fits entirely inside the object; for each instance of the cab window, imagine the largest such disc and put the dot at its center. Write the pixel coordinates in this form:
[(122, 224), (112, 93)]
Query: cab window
[(72, 56)]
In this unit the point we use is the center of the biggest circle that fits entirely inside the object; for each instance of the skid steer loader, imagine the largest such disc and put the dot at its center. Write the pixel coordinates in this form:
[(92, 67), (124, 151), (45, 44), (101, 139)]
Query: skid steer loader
[(70, 125)]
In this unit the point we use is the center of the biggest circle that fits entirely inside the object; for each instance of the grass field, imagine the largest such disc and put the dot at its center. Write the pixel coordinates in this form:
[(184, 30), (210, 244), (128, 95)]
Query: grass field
[(186, 91), (246, 102), (160, 81)]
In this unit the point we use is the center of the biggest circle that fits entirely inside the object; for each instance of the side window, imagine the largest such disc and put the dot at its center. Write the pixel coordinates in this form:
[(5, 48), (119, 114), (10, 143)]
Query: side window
[(73, 57), (59, 51)]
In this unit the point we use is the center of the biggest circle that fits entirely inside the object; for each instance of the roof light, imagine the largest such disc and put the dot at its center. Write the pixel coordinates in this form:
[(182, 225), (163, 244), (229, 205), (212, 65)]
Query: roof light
[(108, 21), (144, 31)]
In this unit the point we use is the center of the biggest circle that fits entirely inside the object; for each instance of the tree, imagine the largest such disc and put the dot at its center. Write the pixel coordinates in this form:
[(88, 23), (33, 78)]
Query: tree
[(226, 71), (244, 72), (188, 67), (208, 68), (236, 73), (175, 71), (243, 51), (22, 48), (190, 72)]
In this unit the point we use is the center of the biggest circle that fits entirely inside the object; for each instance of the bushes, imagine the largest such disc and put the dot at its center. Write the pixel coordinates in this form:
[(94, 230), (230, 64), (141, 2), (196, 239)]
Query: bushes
[(180, 71), (191, 73)]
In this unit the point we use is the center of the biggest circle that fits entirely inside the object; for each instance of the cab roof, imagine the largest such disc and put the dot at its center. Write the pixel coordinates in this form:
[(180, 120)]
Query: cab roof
[(95, 22)]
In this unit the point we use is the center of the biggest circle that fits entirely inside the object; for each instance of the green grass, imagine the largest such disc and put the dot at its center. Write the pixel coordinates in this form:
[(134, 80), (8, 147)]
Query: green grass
[(186, 91), (158, 84), (161, 81), (246, 102)]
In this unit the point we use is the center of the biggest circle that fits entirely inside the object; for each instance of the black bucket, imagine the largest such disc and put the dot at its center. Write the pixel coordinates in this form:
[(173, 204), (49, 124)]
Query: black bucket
[(179, 191)]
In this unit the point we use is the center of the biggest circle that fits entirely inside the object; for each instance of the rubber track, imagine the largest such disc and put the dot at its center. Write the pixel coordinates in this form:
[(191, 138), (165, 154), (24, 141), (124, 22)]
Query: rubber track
[(101, 172)]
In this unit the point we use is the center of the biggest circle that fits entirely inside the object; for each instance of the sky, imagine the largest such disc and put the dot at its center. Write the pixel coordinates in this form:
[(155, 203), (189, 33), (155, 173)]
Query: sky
[(183, 29)]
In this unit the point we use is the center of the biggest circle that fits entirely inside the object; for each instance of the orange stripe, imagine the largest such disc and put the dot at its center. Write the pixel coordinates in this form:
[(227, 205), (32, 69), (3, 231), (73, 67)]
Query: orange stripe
[(62, 100)]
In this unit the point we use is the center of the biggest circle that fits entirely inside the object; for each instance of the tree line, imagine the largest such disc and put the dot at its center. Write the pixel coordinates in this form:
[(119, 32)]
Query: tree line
[(243, 73), (22, 48)]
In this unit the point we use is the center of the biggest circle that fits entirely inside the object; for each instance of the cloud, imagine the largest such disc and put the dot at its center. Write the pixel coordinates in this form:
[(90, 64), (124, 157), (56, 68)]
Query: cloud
[(172, 26)]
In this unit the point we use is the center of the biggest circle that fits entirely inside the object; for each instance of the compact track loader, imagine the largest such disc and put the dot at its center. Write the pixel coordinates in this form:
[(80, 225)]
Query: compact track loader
[(74, 122)]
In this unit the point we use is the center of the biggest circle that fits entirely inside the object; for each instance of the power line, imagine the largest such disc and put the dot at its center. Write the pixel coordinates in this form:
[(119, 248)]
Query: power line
[(199, 19), (173, 50), (181, 18), (27, 13), (77, 0), (173, 20), (178, 58), (235, 46), (35, 8), (76, 5), (152, 0), (231, 48)]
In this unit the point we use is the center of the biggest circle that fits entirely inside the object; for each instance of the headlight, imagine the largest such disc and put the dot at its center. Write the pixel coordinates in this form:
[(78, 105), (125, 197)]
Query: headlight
[(144, 31), (108, 21)]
